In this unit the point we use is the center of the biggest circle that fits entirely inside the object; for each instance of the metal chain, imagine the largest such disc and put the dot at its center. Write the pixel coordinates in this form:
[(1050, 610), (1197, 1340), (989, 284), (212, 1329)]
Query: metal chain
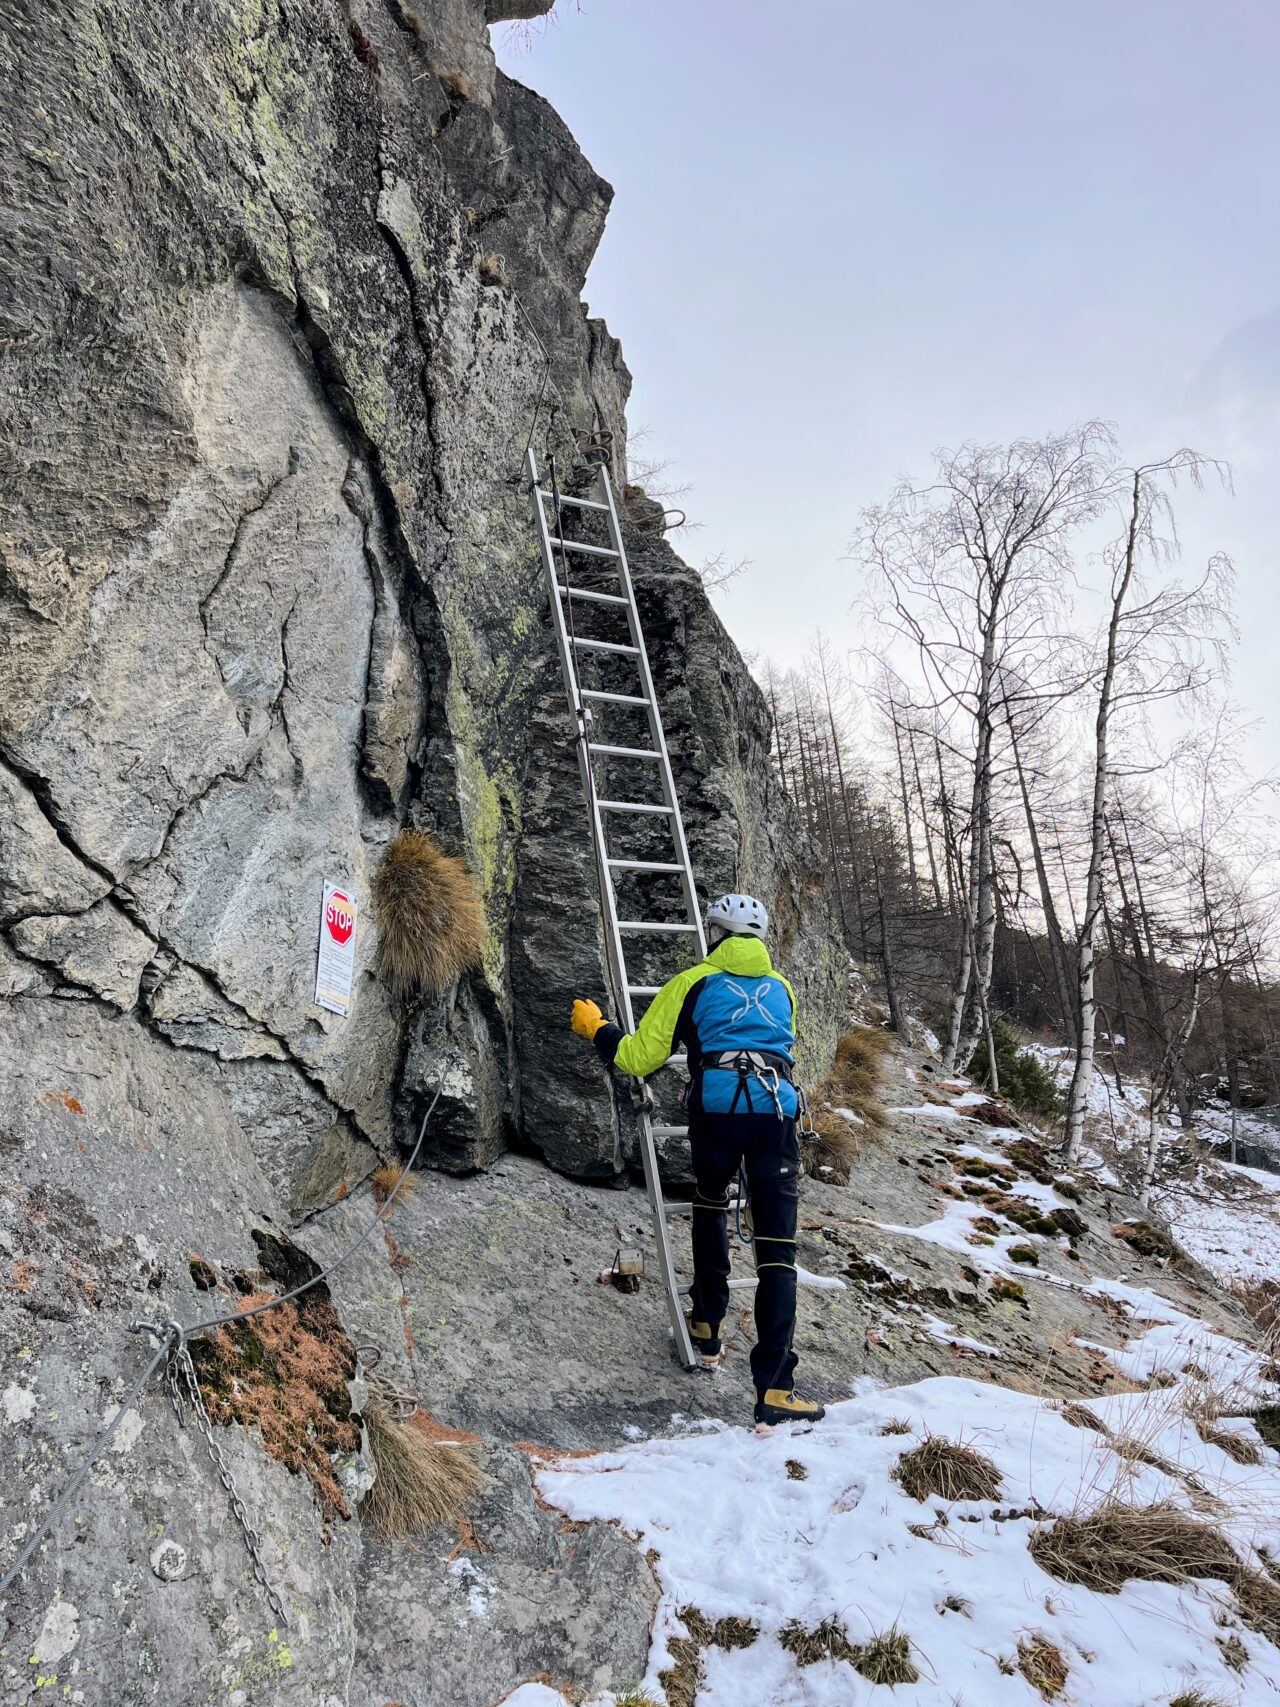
[(180, 1364)]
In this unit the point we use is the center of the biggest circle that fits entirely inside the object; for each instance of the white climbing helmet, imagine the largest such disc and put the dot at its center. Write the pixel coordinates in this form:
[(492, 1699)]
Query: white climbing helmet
[(740, 915)]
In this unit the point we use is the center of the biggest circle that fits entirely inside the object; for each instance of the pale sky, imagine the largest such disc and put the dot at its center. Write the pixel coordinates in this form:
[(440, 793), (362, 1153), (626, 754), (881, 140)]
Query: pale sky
[(844, 233)]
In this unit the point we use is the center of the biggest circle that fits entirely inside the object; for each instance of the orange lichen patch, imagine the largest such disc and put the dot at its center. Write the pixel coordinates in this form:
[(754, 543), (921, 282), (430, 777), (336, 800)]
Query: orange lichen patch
[(73, 1105), (468, 1541), (340, 1191), (23, 1272), (285, 1372), (435, 1430), (385, 1179)]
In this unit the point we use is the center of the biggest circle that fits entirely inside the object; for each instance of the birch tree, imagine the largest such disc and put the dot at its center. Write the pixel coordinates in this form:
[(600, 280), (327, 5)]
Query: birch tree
[(969, 572), (1156, 645)]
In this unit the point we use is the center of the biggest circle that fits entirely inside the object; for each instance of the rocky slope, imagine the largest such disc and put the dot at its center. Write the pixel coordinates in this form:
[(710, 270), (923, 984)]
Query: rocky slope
[(270, 281), (275, 281)]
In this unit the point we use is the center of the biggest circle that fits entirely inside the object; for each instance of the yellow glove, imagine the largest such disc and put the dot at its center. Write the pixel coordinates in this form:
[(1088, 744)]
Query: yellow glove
[(587, 1019)]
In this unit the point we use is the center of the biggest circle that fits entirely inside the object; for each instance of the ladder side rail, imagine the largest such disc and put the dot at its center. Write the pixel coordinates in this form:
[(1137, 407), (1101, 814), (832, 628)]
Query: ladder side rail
[(656, 731), (613, 936), (568, 666)]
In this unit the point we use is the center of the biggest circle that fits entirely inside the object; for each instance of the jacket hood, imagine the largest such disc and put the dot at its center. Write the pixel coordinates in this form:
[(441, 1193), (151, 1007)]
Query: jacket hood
[(745, 955)]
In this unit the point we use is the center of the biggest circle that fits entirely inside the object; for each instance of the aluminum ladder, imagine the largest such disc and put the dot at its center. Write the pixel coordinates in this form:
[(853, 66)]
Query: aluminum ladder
[(564, 559)]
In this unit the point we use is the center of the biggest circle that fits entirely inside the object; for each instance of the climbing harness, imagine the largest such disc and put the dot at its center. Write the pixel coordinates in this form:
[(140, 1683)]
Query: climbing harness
[(180, 1372), (566, 560), (767, 1068)]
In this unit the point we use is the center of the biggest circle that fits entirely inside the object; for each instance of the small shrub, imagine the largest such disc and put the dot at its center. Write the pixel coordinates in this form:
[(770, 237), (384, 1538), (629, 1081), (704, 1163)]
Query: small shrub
[(1006, 1291), (830, 1155), (431, 925), (945, 1469), (1043, 1666), (1023, 1078), (1148, 1240), (1024, 1254), (886, 1658), (421, 1481)]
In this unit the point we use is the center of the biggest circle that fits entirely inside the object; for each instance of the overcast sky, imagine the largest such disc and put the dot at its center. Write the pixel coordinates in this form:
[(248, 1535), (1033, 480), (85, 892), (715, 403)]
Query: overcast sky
[(845, 233)]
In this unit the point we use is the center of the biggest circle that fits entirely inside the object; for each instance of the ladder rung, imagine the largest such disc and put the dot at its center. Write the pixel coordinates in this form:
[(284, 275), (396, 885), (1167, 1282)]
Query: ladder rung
[(670, 1131), (667, 930), (631, 806), (596, 598), (579, 545), (615, 699), (578, 503), (606, 646), (644, 865), (643, 989), (623, 752)]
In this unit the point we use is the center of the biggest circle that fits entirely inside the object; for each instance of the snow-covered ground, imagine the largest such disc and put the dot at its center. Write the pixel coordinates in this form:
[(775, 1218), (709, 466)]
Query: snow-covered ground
[(1225, 1216), (805, 1525), (798, 1527)]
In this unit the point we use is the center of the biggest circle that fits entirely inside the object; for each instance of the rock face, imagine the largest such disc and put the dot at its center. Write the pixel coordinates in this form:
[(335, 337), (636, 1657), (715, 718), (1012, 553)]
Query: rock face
[(269, 284)]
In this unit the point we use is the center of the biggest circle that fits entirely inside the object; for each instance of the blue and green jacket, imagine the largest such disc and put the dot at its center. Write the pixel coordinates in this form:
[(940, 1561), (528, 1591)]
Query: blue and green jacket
[(731, 1000)]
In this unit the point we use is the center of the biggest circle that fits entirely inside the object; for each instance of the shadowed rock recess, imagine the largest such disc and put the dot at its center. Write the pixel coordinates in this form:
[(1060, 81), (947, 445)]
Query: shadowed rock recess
[(269, 591)]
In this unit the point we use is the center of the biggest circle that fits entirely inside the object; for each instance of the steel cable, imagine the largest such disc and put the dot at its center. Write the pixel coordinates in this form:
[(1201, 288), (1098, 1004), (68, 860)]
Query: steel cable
[(175, 1336)]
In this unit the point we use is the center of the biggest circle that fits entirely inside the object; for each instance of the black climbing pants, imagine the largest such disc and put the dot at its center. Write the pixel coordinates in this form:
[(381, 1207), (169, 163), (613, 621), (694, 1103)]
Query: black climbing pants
[(770, 1151)]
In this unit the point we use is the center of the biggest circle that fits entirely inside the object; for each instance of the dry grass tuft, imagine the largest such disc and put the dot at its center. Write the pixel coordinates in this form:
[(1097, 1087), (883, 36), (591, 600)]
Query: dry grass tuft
[(491, 270), (1043, 1666), (681, 1681), (1234, 1653), (944, 1469), (457, 83), (635, 1698), (1115, 1543), (1158, 1544), (1237, 1446), (1197, 1698), (388, 1177), (1080, 1416), (431, 924), (830, 1155), (826, 1641), (886, 1658), (421, 1480), (896, 1425), (856, 1074)]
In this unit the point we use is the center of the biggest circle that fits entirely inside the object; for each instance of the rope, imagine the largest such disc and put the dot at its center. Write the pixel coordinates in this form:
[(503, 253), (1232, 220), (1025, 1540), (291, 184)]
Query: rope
[(175, 1337)]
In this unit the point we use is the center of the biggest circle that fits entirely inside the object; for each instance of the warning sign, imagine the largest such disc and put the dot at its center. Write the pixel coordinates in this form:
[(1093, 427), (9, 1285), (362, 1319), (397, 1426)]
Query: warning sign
[(337, 959)]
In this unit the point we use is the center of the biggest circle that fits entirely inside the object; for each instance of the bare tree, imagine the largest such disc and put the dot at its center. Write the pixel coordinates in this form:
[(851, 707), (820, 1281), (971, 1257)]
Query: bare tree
[(1157, 645), (969, 571)]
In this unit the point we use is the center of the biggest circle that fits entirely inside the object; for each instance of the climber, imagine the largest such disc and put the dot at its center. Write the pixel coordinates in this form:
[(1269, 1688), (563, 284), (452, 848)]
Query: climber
[(736, 1017)]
